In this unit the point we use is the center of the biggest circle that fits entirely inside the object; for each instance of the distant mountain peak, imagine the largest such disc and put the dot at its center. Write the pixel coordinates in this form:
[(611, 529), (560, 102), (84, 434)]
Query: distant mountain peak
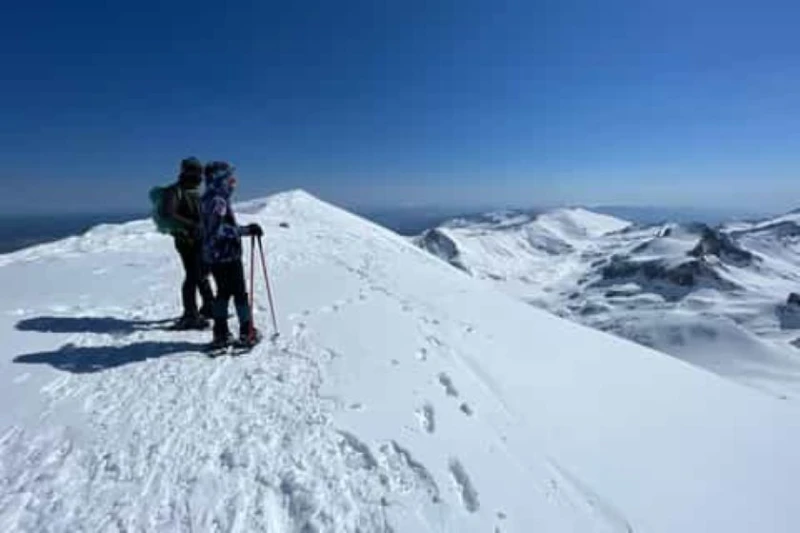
[(627, 278)]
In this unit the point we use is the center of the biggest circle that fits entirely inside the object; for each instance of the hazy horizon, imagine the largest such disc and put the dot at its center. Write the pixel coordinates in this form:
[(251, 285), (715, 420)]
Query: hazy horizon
[(18, 231), (431, 209)]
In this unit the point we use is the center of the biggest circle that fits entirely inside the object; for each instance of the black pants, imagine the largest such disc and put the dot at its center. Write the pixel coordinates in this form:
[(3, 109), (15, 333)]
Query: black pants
[(195, 277), (229, 278)]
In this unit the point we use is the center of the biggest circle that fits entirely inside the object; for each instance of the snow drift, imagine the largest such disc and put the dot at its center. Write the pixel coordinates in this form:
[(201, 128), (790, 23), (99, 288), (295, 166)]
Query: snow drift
[(403, 395)]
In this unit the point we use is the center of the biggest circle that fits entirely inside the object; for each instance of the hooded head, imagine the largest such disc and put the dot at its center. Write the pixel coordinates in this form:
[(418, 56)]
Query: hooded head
[(191, 174), (220, 178)]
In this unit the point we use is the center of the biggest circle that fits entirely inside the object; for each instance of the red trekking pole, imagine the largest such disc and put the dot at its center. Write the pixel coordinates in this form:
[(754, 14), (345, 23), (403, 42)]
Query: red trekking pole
[(252, 332), (269, 289)]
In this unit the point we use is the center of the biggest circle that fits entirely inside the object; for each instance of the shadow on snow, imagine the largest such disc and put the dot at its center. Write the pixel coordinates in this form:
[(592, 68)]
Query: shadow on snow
[(89, 324), (87, 359)]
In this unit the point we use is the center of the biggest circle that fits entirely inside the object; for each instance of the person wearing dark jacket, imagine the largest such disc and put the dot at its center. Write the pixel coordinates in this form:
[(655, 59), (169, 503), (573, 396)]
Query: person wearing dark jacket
[(182, 205), (222, 250)]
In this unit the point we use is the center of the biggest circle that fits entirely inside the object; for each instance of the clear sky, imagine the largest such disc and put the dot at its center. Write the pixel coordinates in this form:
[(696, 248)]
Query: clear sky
[(412, 102)]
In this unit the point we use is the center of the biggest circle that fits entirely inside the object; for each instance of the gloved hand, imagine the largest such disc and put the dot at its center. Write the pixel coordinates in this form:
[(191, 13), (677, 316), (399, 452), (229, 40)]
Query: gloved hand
[(255, 230)]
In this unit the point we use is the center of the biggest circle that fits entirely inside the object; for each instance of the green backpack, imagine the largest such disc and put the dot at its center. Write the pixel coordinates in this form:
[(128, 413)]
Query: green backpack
[(164, 224)]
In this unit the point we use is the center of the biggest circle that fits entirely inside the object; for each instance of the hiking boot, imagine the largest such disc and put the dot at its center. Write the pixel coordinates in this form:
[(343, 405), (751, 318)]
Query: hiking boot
[(221, 330), (248, 335), (218, 343), (189, 322), (249, 340)]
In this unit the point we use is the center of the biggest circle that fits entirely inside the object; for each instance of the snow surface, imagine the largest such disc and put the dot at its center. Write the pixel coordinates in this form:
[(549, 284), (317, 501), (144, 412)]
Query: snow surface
[(576, 223), (721, 313), (402, 396)]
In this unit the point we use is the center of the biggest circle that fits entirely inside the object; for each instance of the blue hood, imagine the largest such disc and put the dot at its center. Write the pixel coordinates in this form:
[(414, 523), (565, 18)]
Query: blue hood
[(219, 186)]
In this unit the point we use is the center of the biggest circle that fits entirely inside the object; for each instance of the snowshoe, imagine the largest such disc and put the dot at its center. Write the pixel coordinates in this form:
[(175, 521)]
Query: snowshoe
[(186, 323), (219, 346), (222, 339), (247, 341)]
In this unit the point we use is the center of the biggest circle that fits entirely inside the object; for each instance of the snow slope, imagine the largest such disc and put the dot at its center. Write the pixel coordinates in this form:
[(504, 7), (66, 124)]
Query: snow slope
[(528, 256), (712, 297), (402, 396)]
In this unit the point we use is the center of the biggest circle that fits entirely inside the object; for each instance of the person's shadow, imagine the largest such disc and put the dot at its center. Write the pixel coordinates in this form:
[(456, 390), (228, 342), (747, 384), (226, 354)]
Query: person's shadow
[(87, 359), (84, 359), (89, 324)]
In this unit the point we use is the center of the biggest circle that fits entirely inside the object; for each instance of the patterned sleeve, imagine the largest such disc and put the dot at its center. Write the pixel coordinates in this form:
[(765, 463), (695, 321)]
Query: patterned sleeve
[(219, 223)]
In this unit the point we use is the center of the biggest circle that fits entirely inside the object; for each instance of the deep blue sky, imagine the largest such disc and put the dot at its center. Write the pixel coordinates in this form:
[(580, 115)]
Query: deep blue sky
[(420, 102)]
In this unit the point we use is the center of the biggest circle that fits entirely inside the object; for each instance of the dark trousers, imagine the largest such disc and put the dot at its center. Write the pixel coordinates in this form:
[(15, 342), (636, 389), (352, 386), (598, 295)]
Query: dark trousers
[(229, 278), (195, 277)]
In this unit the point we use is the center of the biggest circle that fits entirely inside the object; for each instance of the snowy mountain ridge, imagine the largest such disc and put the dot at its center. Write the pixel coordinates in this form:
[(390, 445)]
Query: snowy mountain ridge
[(711, 296), (402, 396)]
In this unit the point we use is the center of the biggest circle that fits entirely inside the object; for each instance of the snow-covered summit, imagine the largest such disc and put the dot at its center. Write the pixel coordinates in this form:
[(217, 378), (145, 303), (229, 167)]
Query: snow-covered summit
[(288, 200), (516, 248), (577, 222), (566, 223), (690, 290), (402, 396)]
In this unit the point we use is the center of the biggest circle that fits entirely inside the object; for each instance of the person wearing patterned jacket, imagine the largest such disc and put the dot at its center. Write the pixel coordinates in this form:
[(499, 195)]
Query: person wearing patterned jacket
[(222, 251)]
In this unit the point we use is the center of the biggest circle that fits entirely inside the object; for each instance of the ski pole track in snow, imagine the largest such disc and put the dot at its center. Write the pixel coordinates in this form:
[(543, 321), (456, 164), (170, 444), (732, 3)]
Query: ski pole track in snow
[(570, 489)]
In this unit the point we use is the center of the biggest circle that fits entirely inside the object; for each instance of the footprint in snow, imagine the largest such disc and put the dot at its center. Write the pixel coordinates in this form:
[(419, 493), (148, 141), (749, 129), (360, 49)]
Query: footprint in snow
[(466, 409), (298, 329), (422, 354), (467, 492), (299, 316), (447, 383), (332, 308), (427, 418), (433, 341), (357, 453), (400, 459)]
